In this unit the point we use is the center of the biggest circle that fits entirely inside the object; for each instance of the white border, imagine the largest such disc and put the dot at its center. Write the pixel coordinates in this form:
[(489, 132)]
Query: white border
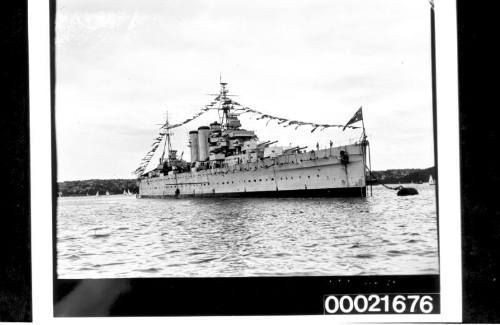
[(448, 163), (40, 159)]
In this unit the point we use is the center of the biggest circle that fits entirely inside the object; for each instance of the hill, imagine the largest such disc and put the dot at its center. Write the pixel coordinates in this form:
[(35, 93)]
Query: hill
[(91, 186), (396, 176)]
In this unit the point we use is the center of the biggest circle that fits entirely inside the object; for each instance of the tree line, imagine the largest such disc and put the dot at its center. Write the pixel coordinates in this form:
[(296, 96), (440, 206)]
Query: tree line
[(403, 176), (92, 186)]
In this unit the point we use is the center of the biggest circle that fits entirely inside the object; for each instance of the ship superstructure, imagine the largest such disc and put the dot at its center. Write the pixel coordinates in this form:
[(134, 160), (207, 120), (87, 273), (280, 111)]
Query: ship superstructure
[(228, 160)]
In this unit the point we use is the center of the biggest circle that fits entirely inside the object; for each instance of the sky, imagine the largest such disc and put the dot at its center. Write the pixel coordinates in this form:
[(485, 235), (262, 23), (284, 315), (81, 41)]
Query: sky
[(121, 65)]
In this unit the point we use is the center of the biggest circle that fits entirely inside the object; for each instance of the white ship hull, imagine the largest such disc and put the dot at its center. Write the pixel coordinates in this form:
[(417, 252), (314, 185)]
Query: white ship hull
[(320, 173)]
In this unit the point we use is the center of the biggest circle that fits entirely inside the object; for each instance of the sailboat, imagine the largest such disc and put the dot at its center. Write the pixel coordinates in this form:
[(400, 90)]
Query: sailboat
[(431, 180), (107, 193), (97, 194), (128, 192), (124, 192)]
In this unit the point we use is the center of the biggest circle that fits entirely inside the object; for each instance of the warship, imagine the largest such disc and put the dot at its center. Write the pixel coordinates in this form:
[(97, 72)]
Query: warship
[(230, 161)]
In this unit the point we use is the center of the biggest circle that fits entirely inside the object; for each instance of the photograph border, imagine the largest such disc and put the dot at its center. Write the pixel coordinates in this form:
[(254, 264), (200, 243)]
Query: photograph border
[(57, 288)]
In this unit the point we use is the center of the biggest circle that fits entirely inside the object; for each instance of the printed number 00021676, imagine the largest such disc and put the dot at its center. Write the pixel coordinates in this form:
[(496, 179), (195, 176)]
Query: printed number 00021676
[(382, 304)]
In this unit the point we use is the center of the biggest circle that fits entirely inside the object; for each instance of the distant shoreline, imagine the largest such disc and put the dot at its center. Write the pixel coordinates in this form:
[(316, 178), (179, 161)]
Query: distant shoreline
[(116, 186)]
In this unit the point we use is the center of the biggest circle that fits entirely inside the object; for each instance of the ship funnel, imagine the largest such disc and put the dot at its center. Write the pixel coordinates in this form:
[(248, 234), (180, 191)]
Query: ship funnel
[(193, 144), (203, 134)]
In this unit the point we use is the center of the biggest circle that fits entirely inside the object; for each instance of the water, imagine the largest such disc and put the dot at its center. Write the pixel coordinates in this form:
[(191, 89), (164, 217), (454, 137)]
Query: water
[(121, 236)]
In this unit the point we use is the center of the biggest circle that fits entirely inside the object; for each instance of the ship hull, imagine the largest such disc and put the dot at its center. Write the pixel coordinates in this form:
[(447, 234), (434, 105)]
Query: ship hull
[(324, 192), (313, 174)]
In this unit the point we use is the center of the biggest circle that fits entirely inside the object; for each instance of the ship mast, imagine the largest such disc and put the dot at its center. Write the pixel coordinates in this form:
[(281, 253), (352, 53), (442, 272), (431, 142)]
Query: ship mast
[(225, 106), (167, 145)]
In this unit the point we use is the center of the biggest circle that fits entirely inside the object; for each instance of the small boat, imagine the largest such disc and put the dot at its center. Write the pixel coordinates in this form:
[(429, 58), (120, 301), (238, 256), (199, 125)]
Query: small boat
[(128, 192), (431, 180), (107, 193), (97, 194), (124, 192)]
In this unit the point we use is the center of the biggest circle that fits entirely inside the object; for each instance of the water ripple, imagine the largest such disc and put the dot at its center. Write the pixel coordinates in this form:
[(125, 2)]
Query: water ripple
[(121, 236)]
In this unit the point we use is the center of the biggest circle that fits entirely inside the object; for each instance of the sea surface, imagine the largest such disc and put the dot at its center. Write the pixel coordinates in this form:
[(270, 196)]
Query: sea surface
[(122, 236)]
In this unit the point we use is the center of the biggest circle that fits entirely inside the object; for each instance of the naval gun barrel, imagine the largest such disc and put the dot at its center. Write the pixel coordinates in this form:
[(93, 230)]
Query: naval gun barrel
[(267, 143), (290, 150)]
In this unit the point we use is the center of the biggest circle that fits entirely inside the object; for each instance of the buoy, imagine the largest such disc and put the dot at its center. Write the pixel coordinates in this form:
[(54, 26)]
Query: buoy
[(404, 191)]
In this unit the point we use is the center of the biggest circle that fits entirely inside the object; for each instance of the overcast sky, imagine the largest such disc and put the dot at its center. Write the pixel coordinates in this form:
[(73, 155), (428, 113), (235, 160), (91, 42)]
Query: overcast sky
[(120, 65)]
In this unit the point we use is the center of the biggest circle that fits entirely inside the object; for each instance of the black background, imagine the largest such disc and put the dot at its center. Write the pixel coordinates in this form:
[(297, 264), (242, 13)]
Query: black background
[(479, 145), (222, 296), (15, 254), (478, 72)]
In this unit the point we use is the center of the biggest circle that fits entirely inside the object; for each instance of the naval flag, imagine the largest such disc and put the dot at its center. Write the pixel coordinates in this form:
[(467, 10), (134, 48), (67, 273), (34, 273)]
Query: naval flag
[(358, 116)]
